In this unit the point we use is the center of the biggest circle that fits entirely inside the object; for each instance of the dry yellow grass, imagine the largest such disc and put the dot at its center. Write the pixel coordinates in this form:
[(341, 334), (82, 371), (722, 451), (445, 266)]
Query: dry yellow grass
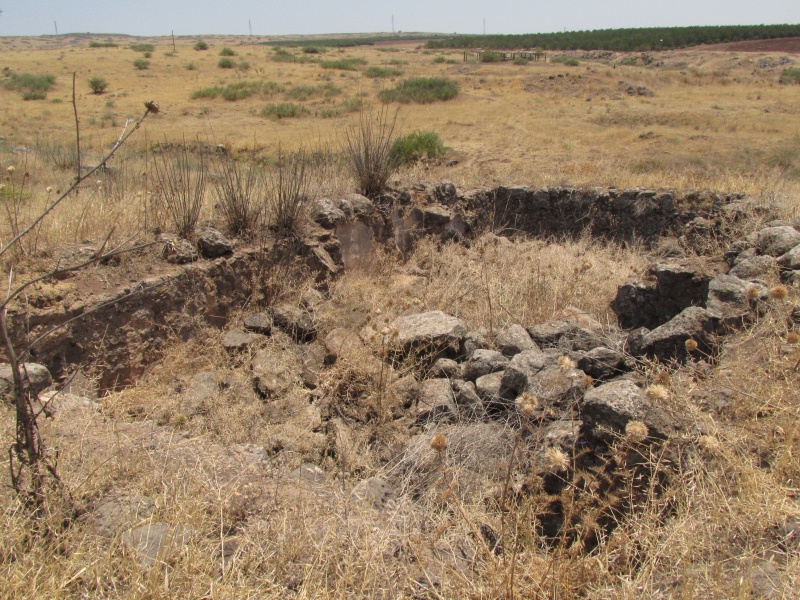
[(717, 121)]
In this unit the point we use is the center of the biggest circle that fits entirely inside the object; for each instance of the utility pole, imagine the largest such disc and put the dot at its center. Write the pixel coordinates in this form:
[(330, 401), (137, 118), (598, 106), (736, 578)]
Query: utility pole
[(250, 27), (392, 24), (173, 41), (484, 26), (54, 25)]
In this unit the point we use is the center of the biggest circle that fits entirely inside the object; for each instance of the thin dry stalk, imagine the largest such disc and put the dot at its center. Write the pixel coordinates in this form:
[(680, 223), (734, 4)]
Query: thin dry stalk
[(240, 191), (367, 146), (180, 189), (289, 192)]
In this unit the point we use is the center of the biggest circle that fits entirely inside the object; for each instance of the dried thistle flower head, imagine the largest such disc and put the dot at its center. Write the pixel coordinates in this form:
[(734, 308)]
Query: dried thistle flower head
[(636, 431), (779, 292), (152, 106), (690, 344), (49, 189), (439, 443), (587, 381), (657, 392), (527, 404), (11, 170), (662, 378), (709, 443), (555, 459), (752, 293), (566, 363), (793, 337)]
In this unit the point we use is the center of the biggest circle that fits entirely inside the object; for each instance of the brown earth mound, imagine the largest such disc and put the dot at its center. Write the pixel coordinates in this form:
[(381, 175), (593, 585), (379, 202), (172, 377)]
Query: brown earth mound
[(785, 45)]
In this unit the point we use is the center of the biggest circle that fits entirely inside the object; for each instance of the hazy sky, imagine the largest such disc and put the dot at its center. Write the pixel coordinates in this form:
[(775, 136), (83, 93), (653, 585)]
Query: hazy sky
[(270, 17)]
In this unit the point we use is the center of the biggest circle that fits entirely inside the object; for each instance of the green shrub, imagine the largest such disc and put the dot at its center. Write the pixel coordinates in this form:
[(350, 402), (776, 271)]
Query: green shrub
[(284, 110), (94, 44), (190, 66), (240, 90), (201, 45), (227, 52), (416, 146), (141, 64), (422, 90), (348, 106), (344, 64), (306, 92), (396, 62), (226, 63), (490, 56), (281, 55), (790, 76), (382, 72), (439, 59), (147, 54), (98, 85), (312, 50), (521, 61), (209, 92), (32, 87), (142, 47), (570, 62)]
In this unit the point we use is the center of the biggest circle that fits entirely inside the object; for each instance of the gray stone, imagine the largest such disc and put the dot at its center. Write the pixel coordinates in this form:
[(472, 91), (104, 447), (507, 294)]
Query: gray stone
[(376, 493), (467, 400), (668, 341), (236, 340), (312, 359), (513, 339), (607, 409), (791, 259), (776, 241), (488, 387), (474, 340), (604, 363), (744, 255), (117, 512), (156, 542), (563, 434), (79, 384), (356, 206), (274, 372), (483, 362), (520, 372), (180, 252), (213, 244), (202, 389), (429, 331), (566, 334), (259, 322), (728, 301), (435, 215), (38, 375), (344, 344), (556, 388), (326, 214), (295, 321), (435, 401), (757, 266), (447, 368)]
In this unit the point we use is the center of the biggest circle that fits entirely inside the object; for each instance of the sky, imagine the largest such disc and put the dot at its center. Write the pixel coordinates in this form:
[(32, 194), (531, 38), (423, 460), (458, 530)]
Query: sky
[(271, 17)]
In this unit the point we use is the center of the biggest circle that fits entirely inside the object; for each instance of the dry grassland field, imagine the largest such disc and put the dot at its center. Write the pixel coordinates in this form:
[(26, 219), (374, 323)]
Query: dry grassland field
[(325, 455)]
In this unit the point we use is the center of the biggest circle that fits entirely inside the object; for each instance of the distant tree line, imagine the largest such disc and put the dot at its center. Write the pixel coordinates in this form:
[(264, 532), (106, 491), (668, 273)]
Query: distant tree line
[(349, 42), (621, 40)]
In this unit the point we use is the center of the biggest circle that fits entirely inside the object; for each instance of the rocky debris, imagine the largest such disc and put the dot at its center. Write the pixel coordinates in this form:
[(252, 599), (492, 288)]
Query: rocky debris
[(156, 542), (118, 511), (556, 388), (326, 214), (429, 332), (729, 301), (295, 321), (236, 340), (607, 409), (212, 243), (258, 322), (473, 340), (668, 288), (179, 251), (488, 388), (567, 335), (79, 384), (791, 259), (312, 359), (376, 493), (513, 339), (203, 389), (447, 368), (520, 372), (345, 344), (776, 241), (274, 372), (755, 267), (604, 363), (482, 362), (668, 342), (38, 375), (318, 258), (470, 406), (435, 401)]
